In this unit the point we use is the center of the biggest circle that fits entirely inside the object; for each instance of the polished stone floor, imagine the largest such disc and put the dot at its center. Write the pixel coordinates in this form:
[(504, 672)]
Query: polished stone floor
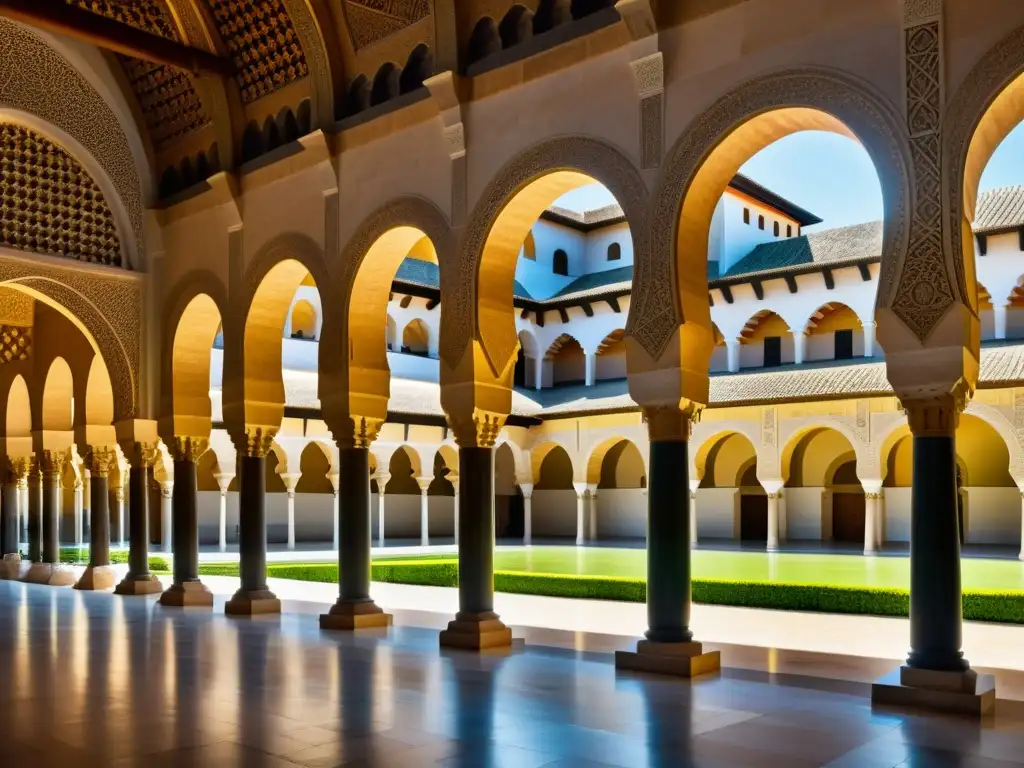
[(96, 680)]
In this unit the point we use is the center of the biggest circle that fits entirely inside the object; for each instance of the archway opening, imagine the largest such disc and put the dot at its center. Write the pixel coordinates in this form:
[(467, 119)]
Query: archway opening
[(194, 360), (611, 356), (416, 338), (510, 522), (824, 497), (554, 499), (731, 502), (833, 332), (303, 320), (766, 341), (566, 360)]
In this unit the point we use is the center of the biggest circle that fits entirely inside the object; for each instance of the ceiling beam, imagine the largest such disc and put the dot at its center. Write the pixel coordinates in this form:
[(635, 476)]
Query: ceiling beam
[(72, 21)]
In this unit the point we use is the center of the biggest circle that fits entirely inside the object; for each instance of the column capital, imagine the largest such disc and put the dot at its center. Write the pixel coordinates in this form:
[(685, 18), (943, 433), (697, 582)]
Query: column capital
[(166, 488), (670, 423), (139, 455), (477, 430), (939, 415), (100, 459), (224, 480), (253, 442), (17, 468), (772, 487), (581, 490), (335, 479), (51, 462), (188, 447), (424, 483), (353, 431), (382, 479), (290, 480), (526, 489)]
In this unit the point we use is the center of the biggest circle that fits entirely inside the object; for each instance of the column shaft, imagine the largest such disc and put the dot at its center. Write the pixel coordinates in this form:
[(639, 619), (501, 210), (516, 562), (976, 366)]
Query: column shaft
[(527, 519), (166, 519), (424, 518), (354, 524), (9, 519), (936, 611), (185, 522), (51, 517), (693, 518), (870, 520), (99, 522), (291, 519), (476, 530), (581, 503), (138, 529), (668, 550), (35, 516), (223, 528), (380, 514), (252, 524), (773, 522)]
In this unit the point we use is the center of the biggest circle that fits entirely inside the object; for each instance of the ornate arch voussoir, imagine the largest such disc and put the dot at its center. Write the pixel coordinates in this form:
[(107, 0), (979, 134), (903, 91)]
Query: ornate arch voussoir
[(656, 311), (592, 156), (288, 246)]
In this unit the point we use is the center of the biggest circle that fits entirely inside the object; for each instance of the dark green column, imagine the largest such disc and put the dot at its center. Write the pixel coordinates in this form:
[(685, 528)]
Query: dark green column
[(355, 608), (668, 543), (139, 580), (51, 470), (476, 531), (99, 526), (936, 607), (9, 516), (253, 596), (35, 513), (185, 522)]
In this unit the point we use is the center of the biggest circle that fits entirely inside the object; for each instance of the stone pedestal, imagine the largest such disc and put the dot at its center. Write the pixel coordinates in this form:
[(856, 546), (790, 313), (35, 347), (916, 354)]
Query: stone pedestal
[(10, 568), (476, 632), (98, 577), (190, 594), (964, 693), (351, 616), (252, 603), (680, 659), (54, 575), (143, 585)]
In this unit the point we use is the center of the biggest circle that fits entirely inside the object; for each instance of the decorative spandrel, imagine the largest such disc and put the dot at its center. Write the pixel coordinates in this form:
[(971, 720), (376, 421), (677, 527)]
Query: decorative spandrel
[(50, 204), (373, 20)]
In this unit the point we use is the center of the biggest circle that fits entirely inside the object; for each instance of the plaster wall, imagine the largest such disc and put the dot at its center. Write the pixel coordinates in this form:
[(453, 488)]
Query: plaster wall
[(717, 510), (597, 243), (803, 513), (622, 513), (537, 276), (739, 239), (992, 515), (554, 513)]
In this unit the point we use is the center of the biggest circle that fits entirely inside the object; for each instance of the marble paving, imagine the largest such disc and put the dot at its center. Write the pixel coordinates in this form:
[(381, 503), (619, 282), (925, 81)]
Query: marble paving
[(96, 680)]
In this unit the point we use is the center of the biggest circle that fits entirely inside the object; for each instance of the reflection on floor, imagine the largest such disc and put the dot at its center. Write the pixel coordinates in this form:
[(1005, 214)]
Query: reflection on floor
[(95, 680)]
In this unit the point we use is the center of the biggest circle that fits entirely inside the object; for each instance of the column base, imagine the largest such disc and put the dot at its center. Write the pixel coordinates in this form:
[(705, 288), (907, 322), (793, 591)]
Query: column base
[(191, 594), (476, 632), (678, 659), (252, 603), (965, 693), (10, 568), (352, 616), (149, 585), (55, 575), (97, 577)]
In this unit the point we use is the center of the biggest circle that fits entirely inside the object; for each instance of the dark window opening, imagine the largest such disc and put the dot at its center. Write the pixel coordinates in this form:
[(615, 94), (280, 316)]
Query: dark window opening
[(614, 252), (772, 351), (775, 229), (560, 265), (760, 222), (789, 230), (844, 344), (746, 215)]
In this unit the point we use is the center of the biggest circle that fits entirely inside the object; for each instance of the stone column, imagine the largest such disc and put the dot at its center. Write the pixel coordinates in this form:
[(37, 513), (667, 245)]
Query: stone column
[(774, 490), (424, 484), (10, 567), (187, 589), (138, 581), (527, 490), (79, 512), (799, 347), (872, 492), (290, 481), (23, 502), (453, 478), (869, 338), (693, 512), (223, 483), (591, 367), (84, 496), (99, 574), (476, 626), (999, 318), (253, 597), (34, 505), (732, 348), (669, 646), (119, 500), (336, 484), (166, 514), (538, 373), (382, 481), (49, 571), (354, 608), (581, 512), (592, 521), (936, 607)]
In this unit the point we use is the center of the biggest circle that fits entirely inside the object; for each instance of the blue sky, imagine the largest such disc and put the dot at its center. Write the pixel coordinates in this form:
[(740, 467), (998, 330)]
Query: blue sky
[(831, 176)]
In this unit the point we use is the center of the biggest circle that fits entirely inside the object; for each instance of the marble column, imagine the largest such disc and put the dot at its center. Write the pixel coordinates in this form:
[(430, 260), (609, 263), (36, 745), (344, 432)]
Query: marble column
[(138, 581), (23, 503), (166, 514), (9, 523), (49, 570), (223, 483), (99, 574), (693, 512), (453, 478), (799, 348), (476, 626), (999, 318), (253, 596), (382, 481), (732, 348), (869, 338), (527, 490), (186, 589), (581, 512), (669, 646), (290, 481), (119, 500), (424, 484), (774, 489), (79, 512), (538, 373), (872, 492), (590, 358), (592, 520), (354, 608), (34, 524)]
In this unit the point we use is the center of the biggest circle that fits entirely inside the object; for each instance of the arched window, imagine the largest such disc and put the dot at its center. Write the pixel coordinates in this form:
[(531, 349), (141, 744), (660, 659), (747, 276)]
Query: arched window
[(385, 84), (746, 215), (614, 252), (416, 338), (789, 230), (358, 96), (560, 264), (775, 228), (760, 222), (418, 68), (303, 320), (484, 41), (516, 27)]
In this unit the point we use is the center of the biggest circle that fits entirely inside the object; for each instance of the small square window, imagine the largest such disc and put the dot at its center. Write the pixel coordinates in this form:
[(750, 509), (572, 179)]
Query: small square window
[(746, 215), (760, 222), (775, 228)]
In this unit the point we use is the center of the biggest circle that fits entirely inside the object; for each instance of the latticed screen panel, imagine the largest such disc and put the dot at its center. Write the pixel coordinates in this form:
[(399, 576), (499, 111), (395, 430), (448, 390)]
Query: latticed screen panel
[(15, 343), (50, 204)]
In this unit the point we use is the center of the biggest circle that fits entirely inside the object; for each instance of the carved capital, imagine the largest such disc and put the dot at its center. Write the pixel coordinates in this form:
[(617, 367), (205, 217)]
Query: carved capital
[(355, 431), (669, 424), (51, 462), (17, 467), (649, 73), (187, 448), (254, 442), (872, 495), (99, 460), (138, 454), (937, 416), (478, 431)]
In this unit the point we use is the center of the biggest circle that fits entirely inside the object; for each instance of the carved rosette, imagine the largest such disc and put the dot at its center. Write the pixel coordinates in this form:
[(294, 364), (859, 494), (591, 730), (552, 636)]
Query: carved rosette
[(671, 424)]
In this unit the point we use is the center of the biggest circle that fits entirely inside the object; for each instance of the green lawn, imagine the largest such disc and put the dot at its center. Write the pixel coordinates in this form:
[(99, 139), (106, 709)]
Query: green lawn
[(793, 568)]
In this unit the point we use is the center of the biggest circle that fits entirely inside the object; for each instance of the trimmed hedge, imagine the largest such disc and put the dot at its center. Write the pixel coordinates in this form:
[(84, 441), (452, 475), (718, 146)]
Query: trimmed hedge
[(978, 605), (72, 555)]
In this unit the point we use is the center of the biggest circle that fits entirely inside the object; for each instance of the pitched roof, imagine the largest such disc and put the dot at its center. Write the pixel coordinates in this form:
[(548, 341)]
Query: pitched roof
[(999, 210), (597, 282), (859, 242), (428, 275)]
